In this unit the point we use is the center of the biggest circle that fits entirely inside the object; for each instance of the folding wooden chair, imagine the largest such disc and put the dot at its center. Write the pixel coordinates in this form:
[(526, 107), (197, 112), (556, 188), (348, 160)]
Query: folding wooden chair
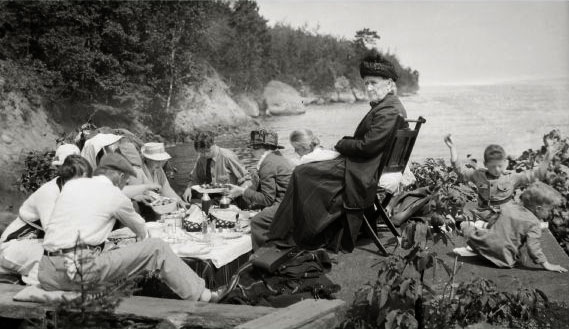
[(395, 159)]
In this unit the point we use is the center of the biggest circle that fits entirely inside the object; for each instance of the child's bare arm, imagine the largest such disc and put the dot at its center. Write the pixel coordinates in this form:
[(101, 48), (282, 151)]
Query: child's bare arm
[(554, 267), (541, 171), (450, 144), (536, 253), (465, 173), (531, 175)]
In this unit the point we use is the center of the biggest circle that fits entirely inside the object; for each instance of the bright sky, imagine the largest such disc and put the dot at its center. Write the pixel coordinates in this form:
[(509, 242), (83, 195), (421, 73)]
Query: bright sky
[(449, 42)]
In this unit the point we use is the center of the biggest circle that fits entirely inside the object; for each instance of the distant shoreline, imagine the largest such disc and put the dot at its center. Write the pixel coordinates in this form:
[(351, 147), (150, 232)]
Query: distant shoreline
[(559, 79)]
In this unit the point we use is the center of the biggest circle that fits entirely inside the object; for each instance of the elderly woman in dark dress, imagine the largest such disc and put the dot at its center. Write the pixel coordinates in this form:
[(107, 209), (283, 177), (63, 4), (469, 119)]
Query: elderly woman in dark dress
[(325, 200)]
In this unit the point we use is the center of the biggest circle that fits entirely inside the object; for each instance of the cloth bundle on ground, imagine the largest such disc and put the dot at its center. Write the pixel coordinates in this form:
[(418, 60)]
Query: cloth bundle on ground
[(299, 278), (416, 203)]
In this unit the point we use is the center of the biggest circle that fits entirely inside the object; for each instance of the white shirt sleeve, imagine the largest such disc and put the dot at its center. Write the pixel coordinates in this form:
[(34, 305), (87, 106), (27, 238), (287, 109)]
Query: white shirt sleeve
[(319, 154), (126, 214), (40, 204)]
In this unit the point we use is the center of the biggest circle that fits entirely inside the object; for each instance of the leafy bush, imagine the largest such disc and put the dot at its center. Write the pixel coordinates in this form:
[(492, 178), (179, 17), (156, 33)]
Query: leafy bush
[(478, 301), (450, 195), (37, 170), (394, 300)]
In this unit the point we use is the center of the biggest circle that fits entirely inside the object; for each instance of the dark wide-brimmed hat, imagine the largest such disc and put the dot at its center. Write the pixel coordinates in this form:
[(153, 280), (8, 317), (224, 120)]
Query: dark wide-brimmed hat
[(262, 137), (378, 66)]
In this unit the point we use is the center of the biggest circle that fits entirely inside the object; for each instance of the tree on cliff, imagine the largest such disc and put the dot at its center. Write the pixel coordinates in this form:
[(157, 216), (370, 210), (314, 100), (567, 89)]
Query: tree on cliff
[(242, 47), (136, 57)]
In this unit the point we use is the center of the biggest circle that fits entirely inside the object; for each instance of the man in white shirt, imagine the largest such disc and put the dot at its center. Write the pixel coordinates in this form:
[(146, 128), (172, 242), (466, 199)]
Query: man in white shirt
[(83, 217)]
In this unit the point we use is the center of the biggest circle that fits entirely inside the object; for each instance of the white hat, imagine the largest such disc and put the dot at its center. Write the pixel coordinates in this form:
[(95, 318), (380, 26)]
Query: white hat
[(155, 151), (95, 144), (62, 152)]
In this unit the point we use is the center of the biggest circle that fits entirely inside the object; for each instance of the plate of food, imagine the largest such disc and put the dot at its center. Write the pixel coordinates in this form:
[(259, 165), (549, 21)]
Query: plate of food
[(211, 188)]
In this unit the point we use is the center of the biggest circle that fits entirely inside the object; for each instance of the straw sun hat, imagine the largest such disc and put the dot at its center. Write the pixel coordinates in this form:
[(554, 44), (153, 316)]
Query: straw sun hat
[(155, 151)]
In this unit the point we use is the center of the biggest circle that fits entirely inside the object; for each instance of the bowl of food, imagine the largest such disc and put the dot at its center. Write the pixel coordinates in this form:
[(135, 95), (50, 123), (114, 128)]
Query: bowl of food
[(164, 206)]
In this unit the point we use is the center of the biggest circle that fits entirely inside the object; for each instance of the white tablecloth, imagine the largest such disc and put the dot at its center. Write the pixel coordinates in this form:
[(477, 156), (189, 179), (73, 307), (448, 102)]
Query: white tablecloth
[(223, 251), (219, 250)]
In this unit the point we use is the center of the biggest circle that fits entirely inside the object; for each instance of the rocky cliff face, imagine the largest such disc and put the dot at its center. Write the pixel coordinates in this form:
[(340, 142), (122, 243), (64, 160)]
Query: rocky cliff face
[(24, 126), (282, 99), (207, 106)]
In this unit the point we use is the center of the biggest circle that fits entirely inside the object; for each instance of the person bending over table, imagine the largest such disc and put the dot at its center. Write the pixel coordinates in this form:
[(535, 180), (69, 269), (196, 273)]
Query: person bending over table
[(325, 200), (274, 172), (81, 221), (215, 165)]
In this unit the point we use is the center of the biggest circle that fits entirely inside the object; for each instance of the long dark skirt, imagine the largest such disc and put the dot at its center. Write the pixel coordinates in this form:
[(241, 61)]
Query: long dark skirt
[(311, 214), (260, 225)]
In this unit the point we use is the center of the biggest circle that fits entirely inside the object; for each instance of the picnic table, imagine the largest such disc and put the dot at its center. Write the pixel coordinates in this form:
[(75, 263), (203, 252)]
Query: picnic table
[(215, 257)]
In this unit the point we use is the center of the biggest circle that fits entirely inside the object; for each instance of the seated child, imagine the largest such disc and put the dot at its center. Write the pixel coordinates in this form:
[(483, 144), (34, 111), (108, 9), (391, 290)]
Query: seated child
[(517, 227), (495, 185)]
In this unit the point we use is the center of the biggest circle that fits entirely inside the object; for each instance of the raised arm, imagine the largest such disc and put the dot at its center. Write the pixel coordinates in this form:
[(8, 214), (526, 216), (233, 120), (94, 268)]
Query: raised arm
[(540, 172), (461, 170)]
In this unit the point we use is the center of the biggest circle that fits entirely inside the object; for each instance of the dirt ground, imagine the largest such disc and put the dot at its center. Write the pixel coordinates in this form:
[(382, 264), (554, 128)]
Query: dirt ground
[(352, 271), (355, 269)]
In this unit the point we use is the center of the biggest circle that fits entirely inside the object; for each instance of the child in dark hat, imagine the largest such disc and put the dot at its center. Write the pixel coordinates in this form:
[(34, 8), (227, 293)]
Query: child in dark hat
[(274, 171)]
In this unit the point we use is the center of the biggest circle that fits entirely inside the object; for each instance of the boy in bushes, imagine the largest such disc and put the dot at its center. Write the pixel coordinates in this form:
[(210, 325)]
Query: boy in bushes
[(510, 225)]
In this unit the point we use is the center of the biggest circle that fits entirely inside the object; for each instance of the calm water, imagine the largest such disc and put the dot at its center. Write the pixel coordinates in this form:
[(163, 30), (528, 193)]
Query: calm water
[(513, 115)]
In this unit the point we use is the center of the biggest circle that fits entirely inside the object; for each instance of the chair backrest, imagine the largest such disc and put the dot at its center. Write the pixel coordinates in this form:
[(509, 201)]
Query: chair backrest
[(400, 146)]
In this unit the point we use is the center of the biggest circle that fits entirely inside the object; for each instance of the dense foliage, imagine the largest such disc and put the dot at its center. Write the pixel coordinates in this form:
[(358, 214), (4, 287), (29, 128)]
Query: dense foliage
[(37, 170), (139, 55), (450, 194)]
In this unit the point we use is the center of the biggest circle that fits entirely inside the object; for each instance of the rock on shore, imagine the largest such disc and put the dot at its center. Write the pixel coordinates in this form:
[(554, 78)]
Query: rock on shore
[(248, 104), (282, 99), (344, 90), (207, 106)]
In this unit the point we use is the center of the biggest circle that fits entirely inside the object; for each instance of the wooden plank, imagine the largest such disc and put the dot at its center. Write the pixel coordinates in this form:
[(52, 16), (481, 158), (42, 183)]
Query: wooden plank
[(19, 310), (183, 313), (297, 316), (328, 321), (179, 313)]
